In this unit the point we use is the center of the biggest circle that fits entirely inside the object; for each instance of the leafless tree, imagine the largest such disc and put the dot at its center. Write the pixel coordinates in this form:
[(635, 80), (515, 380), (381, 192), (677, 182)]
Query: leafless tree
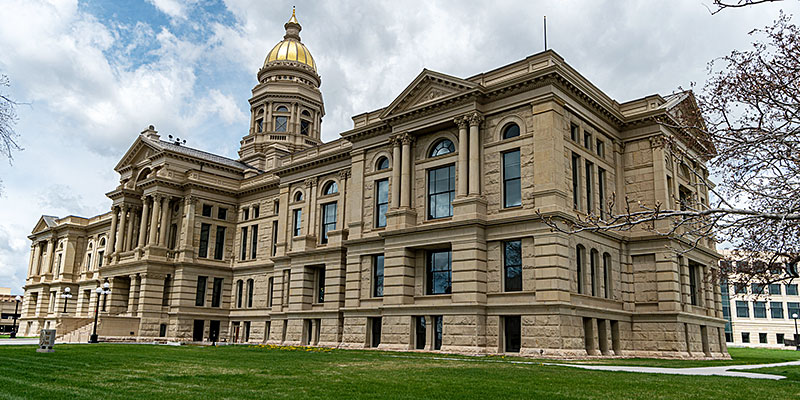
[(746, 122), (8, 118), (723, 5)]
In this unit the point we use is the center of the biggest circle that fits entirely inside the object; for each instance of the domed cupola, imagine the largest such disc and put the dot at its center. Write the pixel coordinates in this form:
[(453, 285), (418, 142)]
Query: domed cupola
[(286, 107)]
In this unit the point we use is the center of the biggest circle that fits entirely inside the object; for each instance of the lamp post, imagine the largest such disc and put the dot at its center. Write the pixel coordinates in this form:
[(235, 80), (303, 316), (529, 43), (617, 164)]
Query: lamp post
[(100, 291), (66, 296), (17, 300), (796, 336)]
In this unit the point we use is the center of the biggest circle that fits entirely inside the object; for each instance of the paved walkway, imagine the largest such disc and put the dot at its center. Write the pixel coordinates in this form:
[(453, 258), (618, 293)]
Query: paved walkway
[(727, 370), (18, 341)]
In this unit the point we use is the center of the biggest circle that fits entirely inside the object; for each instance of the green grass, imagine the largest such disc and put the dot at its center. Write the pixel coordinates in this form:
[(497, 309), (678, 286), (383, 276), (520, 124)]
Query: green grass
[(129, 372), (738, 356)]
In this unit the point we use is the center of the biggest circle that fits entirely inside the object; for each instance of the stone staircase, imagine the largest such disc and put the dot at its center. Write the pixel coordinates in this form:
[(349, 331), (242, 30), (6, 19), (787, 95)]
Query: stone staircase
[(74, 330)]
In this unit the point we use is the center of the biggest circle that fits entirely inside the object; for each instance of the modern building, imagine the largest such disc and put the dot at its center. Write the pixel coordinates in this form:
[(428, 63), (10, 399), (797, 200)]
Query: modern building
[(7, 313), (416, 229)]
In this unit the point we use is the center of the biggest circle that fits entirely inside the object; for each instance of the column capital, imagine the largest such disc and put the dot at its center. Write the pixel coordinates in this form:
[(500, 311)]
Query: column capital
[(144, 198), (157, 196), (405, 138), (395, 140), (474, 119), (344, 174), (190, 200), (310, 182), (462, 122)]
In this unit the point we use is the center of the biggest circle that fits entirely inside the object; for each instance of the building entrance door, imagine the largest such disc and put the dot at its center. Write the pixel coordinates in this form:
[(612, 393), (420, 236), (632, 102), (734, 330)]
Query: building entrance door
[(235, 332), (213, 331)]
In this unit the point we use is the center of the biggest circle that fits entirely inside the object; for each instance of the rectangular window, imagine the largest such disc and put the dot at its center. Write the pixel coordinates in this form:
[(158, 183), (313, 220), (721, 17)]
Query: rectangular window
[(245, 214), (297, 217), (580, 255), (270, 282), (693, 284), (197, 330), (757, 288), (328, 220), (239, 293), (219, 244), (685, 196), (274, 238), (100, 264), (246, 331), (587, 140), (779, 338), (437, 332), (305, 127), (207, 210), (742, 310), (745, 337), (574, 132), (601, 148), (762, 337), (792, 308), (740, 288), (164, 294), (512, 265), (576, 191), (259, 125), (512, 191), (513, 333), (256, 209), (216, 293), (222, 213), (601, 191), (760, 309), (421, 331), (377, 276), (280, 124), (439, 272), (253, 241), (250, 287), (320, 285), (776, 309), (203, 251), (791, 290), (276, 206), (200, 296), (774, 288), (589, 191), (381, 202), (441, 192), (244, 244)]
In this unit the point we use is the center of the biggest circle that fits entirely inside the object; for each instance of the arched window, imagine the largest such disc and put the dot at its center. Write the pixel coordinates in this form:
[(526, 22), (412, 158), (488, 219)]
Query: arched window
[(383, 163), (306, 113), (511, 130), (607, 275), (330, 188), (91, 245), (444, 146), (249, 293), (239, 288), (282, 109), (102, 242), (580, 257), (593, 255), (298, 196)]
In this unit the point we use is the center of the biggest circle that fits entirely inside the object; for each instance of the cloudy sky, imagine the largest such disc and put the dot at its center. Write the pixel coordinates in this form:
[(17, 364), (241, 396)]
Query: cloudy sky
[(92, 75)]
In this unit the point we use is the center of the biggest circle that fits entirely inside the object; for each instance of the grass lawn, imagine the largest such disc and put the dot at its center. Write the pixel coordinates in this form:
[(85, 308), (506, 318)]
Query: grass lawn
[(129, 372)]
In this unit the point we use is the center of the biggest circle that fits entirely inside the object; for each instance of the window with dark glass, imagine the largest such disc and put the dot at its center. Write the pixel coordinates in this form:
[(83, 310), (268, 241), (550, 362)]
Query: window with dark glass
[(239, 288), (742, 310), (791, 290), (256, 209), (757, 288), (274, 237), (219, 246), (792, 308), (776, 309), (253, 241), (305, 127), (276, 207), (601, 148), (513, 333), (280, 123), (245, 214), (200, 294), (576, 191), (510, 131), (442, 147), (330, 188), (216, 293), (580, 257), (512, 265), (320, 285), (607, 275), (259, 125), (383, 163), (693, 284), (593, 255), (298, 196), (222, 213), (207, 210), (437, 332), (589, 191), (243, 252), (377, 276), (441, 192), (297, 221), (601, 191), (740, 288), (270, 282), (173, 236), (421, 333), (774, 288), (250, 287), (587, 140), (685, 197), (381, 202), (375, 329), (328, 220), (779, 337), (760, 309), (203, 250), (762, 337), (574, 132), (439, 272), (512, 191), (745, 337)]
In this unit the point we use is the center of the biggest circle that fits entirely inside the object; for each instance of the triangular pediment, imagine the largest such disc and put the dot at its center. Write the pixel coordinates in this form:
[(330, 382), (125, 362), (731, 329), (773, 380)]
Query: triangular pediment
[(45, 222), (139, 151), (427, 88)]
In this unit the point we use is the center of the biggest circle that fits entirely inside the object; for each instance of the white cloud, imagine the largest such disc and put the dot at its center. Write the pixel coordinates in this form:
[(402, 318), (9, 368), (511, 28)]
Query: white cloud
[(173, 8)]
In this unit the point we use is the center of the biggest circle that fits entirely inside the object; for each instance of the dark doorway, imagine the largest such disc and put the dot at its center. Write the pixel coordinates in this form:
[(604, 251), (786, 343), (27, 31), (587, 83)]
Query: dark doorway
[(235, 333), (162, 330), (213, 331), (422, 333), (437, 332), (197, 333), (513, 337), (376, 332)]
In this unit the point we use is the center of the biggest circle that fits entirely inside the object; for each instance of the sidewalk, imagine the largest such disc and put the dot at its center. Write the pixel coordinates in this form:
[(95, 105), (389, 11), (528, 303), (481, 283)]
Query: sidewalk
[(727, 370), (19, 341)]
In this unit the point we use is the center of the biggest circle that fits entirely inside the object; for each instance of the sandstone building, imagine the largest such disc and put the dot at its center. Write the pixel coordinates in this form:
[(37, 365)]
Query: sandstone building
[(416, 229)]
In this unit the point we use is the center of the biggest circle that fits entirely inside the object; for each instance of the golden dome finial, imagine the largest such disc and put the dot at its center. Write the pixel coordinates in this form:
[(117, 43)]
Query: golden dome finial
[(293, 19)]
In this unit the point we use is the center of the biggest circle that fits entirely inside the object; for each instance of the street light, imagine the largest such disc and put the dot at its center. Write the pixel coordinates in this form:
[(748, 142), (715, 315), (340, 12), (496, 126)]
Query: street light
[(796, 336), (66, 296), (17, 300), (100, 291)]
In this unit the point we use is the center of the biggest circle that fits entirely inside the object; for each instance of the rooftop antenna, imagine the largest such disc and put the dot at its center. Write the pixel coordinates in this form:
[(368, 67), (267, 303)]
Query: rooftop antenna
[(545, 33)]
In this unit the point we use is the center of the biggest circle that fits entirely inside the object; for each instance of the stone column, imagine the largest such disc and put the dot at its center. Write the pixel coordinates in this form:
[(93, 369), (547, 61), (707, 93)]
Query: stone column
[(405, 178), (162, 232), (474, 155), (188, 237), (396, 167), (129, 233), (143, 223), (461, 189), (311, 185), (123, 216), (154, 220), (112, 234), (51, 244), (31, 261), (343, 175), (134, 288), (37, 263)]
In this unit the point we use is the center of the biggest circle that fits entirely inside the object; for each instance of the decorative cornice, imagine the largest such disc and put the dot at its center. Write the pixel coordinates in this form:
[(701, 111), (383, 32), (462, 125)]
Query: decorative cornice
[(344, 174)]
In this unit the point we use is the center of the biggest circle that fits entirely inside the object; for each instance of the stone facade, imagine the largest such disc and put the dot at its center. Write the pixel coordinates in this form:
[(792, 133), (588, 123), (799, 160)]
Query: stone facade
[(285, 245)]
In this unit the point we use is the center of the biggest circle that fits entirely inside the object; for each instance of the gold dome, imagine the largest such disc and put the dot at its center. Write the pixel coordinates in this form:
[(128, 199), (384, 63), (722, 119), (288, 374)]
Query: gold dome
[(291, 50)]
